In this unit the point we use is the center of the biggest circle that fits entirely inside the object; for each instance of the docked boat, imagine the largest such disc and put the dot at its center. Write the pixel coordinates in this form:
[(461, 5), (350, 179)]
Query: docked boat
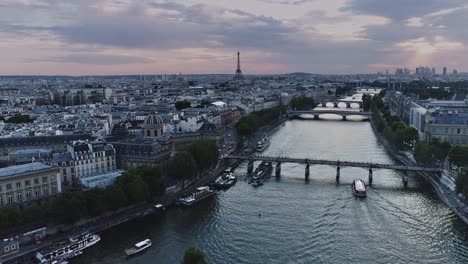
[(359, 188), (70, 249), (59, 262), (225, 181), (262, 173), (159, 207), (138, 247), (262, 144), (192, 198)]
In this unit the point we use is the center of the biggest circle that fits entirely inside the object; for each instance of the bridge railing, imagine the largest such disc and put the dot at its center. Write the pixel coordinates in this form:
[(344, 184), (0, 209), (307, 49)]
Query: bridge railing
[(335, 163)]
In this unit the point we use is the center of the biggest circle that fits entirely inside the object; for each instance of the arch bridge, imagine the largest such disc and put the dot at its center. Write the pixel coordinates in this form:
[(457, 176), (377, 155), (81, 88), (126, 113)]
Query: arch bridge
[(317, 113), (335, 103)]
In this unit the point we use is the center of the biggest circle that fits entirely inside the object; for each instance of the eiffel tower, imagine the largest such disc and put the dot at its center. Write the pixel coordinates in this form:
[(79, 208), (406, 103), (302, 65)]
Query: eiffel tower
[(238, 75)]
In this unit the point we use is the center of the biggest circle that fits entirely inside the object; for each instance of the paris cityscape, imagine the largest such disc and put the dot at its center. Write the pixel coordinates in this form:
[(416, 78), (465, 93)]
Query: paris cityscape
[(250, 131)]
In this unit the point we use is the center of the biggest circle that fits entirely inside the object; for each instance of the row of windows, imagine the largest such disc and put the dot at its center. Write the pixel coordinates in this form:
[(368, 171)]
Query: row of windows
[(447, 130), (96, 155), (91, 161), (26, 183), (92, 171), (29, 195), (11, 247)]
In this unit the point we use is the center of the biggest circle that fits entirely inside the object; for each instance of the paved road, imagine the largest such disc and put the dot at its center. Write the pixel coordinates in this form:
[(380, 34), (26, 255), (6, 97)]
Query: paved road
[(449, 197)]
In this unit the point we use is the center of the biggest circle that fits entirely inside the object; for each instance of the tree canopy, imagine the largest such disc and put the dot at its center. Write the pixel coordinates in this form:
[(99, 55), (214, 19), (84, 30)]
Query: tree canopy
[(461, 183), (19, 118), (194, 256), (133, 186), (302, 103), (179, 105), (205, 153), (251, 123), (458, 155), (397, 133), (182, 165), (430, 152)]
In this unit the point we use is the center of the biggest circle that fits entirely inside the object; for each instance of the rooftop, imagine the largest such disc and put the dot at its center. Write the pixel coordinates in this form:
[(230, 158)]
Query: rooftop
[(19, 169)]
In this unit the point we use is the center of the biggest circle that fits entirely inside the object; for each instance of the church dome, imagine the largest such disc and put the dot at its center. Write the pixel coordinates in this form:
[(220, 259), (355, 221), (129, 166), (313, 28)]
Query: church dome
[(153, 120)]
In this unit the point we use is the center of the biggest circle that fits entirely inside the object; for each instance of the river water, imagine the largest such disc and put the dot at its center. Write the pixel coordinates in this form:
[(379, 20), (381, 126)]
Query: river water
[(290, 221)]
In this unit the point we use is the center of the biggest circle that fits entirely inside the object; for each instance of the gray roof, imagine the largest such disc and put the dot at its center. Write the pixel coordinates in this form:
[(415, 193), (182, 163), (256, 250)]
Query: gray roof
[(30, 151), (19, 169)]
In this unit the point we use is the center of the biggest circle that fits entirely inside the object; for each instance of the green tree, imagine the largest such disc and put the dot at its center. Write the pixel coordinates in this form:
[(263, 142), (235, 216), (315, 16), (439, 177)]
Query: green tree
[(179, 105), (34, 213), (302, 103), (410, 135), (461, 183), (251, 123), (423, 154), (134, 187), (439, 149), (366, 101), (182, 165), (205, 152), (194, 256), (137, 190), (458, 155), (4, 218), (243, 129), (95, 203), (115, 197), (151, 175), (68, 207), (19, 118)]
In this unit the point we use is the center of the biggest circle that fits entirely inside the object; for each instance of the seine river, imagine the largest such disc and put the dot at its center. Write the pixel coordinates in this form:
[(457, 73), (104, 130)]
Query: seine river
[(290, 221)]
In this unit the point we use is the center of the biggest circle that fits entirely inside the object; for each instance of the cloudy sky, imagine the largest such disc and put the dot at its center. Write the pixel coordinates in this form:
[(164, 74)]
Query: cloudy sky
[(85, 37)]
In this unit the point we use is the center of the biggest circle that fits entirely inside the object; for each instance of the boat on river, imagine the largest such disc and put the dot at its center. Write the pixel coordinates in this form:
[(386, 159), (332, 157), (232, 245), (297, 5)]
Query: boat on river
[(199, 194), (262, 144), (138, 247), (70, 249), (359, 188), (262, 173), (225, 181), (59, 262)]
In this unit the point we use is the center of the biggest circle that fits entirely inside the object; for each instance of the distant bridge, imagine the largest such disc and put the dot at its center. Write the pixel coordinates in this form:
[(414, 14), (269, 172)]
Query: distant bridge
[(336, 163), (317, 113), (336, 103)]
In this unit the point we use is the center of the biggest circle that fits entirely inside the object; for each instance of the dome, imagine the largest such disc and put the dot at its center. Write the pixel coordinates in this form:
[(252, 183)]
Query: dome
[(153, 120)]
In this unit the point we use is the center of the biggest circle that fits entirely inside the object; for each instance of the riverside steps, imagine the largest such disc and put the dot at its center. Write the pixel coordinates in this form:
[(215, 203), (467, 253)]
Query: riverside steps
[(336, 163)]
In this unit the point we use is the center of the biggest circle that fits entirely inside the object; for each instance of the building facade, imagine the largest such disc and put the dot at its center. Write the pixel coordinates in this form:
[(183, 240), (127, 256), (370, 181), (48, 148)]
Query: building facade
[(152, 148), (91, 158), (28, 182), (447, 126)]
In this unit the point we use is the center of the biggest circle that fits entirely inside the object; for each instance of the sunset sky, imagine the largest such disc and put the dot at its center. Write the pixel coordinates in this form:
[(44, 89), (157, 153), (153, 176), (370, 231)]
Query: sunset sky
[(93, 37)]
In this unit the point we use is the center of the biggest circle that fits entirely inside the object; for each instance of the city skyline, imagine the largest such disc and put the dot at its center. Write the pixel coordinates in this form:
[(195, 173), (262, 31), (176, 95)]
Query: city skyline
[(113, 37)]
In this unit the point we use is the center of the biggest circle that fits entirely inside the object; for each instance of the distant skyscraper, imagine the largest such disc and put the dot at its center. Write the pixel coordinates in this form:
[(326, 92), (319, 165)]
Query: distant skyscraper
[(445, 71), (433, 71), (238, 75)]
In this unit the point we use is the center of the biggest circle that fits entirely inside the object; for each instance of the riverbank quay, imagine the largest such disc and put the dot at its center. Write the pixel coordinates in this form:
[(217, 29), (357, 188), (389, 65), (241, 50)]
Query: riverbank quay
[(58, 233), (447, 196), (109, 220), (263, 132)]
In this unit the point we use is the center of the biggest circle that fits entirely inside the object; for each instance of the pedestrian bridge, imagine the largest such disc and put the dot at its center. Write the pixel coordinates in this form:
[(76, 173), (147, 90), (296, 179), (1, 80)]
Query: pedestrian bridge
[(336, 163), (317, 113)]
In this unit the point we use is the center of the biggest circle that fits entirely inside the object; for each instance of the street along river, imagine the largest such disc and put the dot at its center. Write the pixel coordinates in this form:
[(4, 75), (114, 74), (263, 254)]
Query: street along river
[(290, 221)]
